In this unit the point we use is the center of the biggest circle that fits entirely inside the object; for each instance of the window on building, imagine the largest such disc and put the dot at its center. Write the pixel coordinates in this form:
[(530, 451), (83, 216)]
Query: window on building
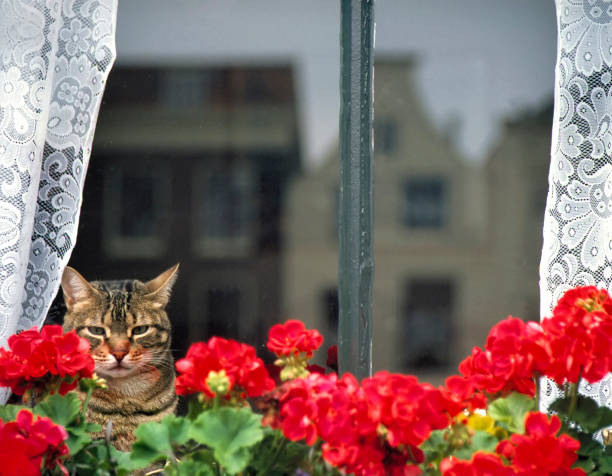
[(136, 209), (427, 331), (385, 136), (224, 208), (184, 89), (425, 202)]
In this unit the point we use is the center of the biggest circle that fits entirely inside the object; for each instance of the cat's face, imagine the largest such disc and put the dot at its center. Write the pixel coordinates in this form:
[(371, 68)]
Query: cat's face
[(124, 321)]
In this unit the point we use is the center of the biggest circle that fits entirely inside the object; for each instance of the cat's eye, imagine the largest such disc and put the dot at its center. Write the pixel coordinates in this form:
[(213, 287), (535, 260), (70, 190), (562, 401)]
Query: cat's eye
[(139, 330), (97, 331)]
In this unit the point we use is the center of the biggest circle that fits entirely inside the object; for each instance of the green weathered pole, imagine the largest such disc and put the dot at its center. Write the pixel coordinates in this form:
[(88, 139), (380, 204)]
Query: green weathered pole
[(356, 263)]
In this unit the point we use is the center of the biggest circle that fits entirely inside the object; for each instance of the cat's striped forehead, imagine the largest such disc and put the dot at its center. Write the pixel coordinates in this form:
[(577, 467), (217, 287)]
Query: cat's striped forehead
[(117, 296), (121, 301)]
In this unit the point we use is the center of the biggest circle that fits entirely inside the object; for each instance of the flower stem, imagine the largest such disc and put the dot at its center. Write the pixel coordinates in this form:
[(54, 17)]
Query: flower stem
[(86, 403), (573, 389)]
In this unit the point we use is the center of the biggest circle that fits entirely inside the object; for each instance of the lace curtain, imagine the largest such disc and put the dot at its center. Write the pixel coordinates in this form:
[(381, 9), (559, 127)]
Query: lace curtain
[(55, 56), (578, 222)]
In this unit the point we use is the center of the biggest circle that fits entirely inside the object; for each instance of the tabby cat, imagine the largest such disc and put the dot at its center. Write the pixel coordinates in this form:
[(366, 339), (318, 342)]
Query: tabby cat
[(129, 332)]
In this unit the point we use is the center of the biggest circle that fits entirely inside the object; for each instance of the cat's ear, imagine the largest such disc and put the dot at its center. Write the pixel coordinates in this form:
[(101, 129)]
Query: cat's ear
[(75, 287), (160, 288)]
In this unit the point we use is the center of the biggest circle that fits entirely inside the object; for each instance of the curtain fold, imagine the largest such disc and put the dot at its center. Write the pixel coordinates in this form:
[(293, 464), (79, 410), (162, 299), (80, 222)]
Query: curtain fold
[(578, 221), (55, 56)]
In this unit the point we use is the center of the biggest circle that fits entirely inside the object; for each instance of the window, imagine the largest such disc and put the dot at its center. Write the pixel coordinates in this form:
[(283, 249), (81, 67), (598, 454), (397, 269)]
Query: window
[(425, 203), (224, 208), (136, 209), (426, 339), (184, 89)]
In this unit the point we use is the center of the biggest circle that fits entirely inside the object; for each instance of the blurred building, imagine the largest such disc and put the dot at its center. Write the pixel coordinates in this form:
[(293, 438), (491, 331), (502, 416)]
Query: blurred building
[(456, 244), (190, 165)]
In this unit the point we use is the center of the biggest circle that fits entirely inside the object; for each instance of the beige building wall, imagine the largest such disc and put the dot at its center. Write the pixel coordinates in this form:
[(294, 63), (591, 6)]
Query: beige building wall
[(488, 247)]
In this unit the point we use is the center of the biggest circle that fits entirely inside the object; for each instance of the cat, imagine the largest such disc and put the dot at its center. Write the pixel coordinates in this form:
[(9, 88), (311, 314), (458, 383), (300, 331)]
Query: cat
[(130, 333)]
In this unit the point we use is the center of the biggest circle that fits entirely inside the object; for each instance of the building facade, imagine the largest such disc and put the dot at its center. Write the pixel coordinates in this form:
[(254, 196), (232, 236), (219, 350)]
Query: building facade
[(456, 244)]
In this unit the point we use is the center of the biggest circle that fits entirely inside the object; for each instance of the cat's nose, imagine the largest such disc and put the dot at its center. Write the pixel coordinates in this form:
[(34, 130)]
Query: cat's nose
[(119, 355)]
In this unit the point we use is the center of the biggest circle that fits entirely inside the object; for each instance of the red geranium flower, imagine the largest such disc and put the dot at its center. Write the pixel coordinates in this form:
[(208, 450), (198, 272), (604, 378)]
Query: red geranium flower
[(45, 361), (514, 353), (242, 367), (292, 337), (27, 442), (539, 451), (463, 393), (481, 464)]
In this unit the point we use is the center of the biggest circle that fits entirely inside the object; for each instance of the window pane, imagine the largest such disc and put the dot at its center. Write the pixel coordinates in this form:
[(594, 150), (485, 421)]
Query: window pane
[(427, 337), (425, 203), (224, 208), (217, 147)]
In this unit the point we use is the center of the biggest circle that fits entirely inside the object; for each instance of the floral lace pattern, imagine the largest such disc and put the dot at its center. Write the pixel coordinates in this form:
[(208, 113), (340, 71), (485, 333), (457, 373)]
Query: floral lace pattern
[(578, 222), (55, 56)]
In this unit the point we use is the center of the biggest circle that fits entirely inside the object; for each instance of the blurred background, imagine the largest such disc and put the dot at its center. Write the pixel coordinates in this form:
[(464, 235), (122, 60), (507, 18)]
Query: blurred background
[(217, 147)]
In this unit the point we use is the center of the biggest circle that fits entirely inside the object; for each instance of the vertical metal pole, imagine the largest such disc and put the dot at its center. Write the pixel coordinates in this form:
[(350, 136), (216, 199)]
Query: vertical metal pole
[(356, 263)]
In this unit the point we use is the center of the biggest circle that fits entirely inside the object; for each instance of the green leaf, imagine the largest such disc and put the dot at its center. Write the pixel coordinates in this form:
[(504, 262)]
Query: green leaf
[(436, 446), (94, 460), (63, 410), (511, 411), (275, 455), (605, 464), (481, 441), (123, 462), (587, 414), (230, 432), (190, 466), (9, 412), (78, 439), (156, 441), (587, 465), (589, 447)]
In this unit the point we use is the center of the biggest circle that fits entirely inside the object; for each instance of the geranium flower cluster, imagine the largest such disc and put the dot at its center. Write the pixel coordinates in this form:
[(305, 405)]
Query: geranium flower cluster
[(370, 429), (45, 361), (575, 342), (29, 443), (539, 452), (245, 372), (513, 353), (580, 334), (293, 344)]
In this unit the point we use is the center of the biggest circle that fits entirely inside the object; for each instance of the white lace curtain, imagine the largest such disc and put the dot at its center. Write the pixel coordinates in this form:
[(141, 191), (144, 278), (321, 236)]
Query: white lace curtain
[(55, 56), (578, 223)]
